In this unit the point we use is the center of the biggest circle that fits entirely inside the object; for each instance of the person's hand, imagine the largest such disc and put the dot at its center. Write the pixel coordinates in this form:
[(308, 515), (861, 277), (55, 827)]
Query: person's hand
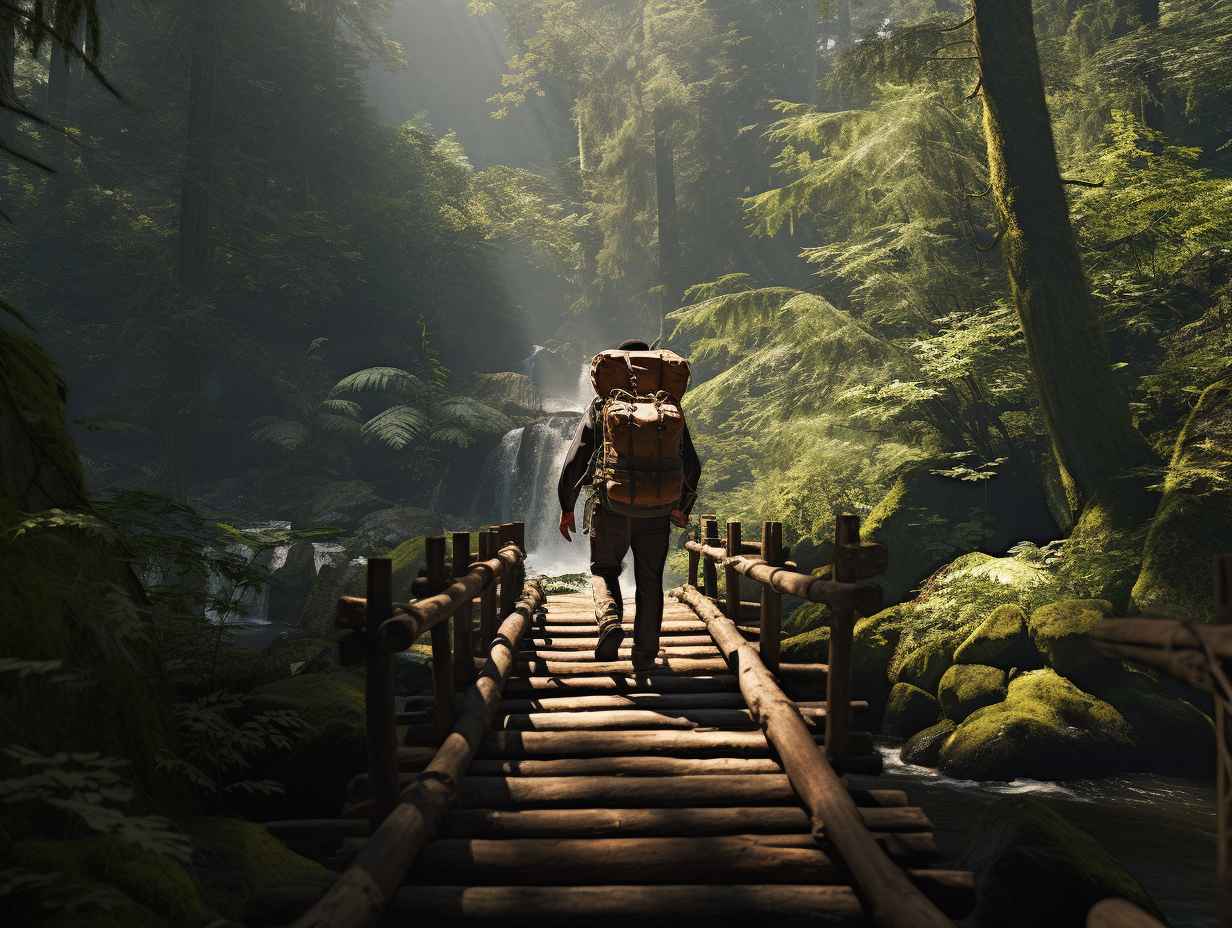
[(678, 518), (567, 525)]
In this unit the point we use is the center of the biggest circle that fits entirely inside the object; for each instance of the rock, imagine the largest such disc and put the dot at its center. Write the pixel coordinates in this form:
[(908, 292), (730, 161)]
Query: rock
[(967, 687), (1046, 728), (806, 618), (322, 758), (239, 862), (1001, 640), (925, 666), (412, 672), (339, 504), (332, 582), (1059, 632), (923, 748), (1194, 521), (808, 647), (408, 558), (291, 583), (908, 710), (927, 520), (874, 640), (385, 529), (1033, 868)]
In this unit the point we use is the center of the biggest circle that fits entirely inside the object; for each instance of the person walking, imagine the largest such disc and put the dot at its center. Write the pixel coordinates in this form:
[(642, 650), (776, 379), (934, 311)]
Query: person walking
[(632, 449)]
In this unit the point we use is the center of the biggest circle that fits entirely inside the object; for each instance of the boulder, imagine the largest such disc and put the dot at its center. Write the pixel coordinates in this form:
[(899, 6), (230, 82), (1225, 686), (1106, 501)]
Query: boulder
[(1034, 868), (1059, 632), (925, 666), (333, 581), (239, 863), (339, 504), (1001, 640), (1194, 521), (806, 618), (908, 710), (1046, 728), (321, 760), (926, 519), (967, 687), (385, 529), (923, 748), (874, 640), (808, 647), (291, 583), (408, 558)]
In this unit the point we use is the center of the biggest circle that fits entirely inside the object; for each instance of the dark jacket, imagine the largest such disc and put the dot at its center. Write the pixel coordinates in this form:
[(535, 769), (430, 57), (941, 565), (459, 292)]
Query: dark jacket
[(576, 472)]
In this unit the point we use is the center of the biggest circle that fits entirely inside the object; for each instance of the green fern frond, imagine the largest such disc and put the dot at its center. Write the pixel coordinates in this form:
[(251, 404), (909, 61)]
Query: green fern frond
[(348, 408), (470, 414), (380, 380), (453, 435), (283, 433), (396, 427), (341, 425)]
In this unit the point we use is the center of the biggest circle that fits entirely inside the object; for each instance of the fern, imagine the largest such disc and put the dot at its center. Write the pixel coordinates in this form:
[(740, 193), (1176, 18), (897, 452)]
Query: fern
[(391, 380), (282, 433), (396, 428)]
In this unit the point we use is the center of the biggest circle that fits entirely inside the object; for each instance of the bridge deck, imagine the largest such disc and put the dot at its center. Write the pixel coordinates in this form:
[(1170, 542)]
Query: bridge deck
[(608, 795)]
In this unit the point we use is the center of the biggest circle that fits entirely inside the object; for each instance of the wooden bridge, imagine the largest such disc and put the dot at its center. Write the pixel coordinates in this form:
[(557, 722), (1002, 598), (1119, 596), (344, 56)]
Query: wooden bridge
[(720, 785)]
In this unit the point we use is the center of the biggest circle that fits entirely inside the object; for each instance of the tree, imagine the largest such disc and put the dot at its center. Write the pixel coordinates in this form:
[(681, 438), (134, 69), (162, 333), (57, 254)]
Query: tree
[(195, 190), (1095, 445)]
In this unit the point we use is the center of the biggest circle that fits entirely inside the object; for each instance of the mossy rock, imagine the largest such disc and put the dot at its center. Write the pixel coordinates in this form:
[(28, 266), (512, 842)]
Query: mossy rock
[(1046, 728), (809, 617), (908, 710), (408, 558), (1059, 632), (1001, 640), (323, 758), (1194, 521), (1034, 868), (136, 887), (237, 862), (874, 640), (809, 646), (925, 666), (967, 687), (923, 748)]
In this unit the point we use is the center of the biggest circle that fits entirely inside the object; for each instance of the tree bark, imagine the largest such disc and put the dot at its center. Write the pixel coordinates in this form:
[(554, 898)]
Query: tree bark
[(194, 258), (1095, 444), (843, 25), (59, 89)]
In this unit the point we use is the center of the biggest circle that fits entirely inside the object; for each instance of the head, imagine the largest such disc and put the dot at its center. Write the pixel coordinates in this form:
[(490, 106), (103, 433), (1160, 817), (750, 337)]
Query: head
[(634, 344)]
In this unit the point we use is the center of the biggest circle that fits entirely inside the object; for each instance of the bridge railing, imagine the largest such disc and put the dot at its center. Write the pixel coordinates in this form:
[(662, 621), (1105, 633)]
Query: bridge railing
[(494, 573), (766, 562)]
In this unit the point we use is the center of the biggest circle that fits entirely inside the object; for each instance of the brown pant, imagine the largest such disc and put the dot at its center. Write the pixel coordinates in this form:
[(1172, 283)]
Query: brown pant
[(611, 536)]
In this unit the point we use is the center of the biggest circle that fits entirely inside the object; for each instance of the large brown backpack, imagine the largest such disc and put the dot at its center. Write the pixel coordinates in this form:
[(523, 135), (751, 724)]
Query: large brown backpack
[(639, 468)]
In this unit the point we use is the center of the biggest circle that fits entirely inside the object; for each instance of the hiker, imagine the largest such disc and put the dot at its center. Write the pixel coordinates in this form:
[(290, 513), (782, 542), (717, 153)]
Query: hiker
[(633, 450)]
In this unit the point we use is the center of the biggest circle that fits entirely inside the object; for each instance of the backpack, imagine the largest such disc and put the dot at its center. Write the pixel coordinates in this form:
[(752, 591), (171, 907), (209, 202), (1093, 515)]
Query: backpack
[(638, 469)]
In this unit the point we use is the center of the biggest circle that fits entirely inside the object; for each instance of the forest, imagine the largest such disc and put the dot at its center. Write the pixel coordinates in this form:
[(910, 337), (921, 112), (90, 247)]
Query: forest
[(292, 283)]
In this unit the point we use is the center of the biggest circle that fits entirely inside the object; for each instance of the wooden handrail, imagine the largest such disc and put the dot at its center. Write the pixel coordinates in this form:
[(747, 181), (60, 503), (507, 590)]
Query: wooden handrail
[(365, 888), (890, 897)]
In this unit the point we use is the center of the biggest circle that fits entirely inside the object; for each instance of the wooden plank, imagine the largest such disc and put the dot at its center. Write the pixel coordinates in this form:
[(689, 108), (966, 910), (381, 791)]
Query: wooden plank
[(893, 900), (672, 666), (683, 821), (590, 642), (650, 766), (1119, 913), (371, 880), (643, 700), (693, 743), (631, 719), (725, 859), (619, 683), (673, 652)]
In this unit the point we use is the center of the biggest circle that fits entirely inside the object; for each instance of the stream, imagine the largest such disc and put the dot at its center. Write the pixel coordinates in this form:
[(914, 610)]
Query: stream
[(1161, 829)]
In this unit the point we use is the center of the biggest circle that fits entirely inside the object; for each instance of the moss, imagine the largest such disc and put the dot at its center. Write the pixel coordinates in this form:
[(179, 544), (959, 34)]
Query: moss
[(873, 642), (967, 687), (1001, 640), (1034, 868), (810, 646), (1059, 632), (408, 557), (153, 890), (1046, 728), (923, 747), (237, 860), (806, 618), (1194, 520), (908, 710), (925, 666), (326, 755)]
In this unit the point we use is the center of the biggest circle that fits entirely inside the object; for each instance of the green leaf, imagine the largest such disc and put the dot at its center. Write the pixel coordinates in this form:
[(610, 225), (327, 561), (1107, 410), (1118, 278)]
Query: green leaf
[(380, 380), (396, 427)]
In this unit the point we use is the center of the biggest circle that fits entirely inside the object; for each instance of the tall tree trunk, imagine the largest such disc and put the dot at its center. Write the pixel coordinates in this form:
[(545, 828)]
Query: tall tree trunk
[(194, 264), (1096, 446), (8, 67), (843, 26), (59, 90), (669, 232)]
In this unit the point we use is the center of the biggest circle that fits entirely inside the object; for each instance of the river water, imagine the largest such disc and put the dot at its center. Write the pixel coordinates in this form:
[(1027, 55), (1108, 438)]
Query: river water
[(1161, 829)]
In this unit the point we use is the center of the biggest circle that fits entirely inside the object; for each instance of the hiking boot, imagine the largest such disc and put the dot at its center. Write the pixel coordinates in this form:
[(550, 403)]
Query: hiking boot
[(643, 661), (608, 648)]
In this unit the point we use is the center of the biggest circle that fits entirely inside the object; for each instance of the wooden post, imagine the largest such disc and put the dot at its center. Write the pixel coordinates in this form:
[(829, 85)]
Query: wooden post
[(463, 619), (842, 624), (508, 597), (694, 564), (771, 600), (710, 574), (487, 599), (1223, 777), (379, 694), (518, 536), (442, 660), (731, 579)]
